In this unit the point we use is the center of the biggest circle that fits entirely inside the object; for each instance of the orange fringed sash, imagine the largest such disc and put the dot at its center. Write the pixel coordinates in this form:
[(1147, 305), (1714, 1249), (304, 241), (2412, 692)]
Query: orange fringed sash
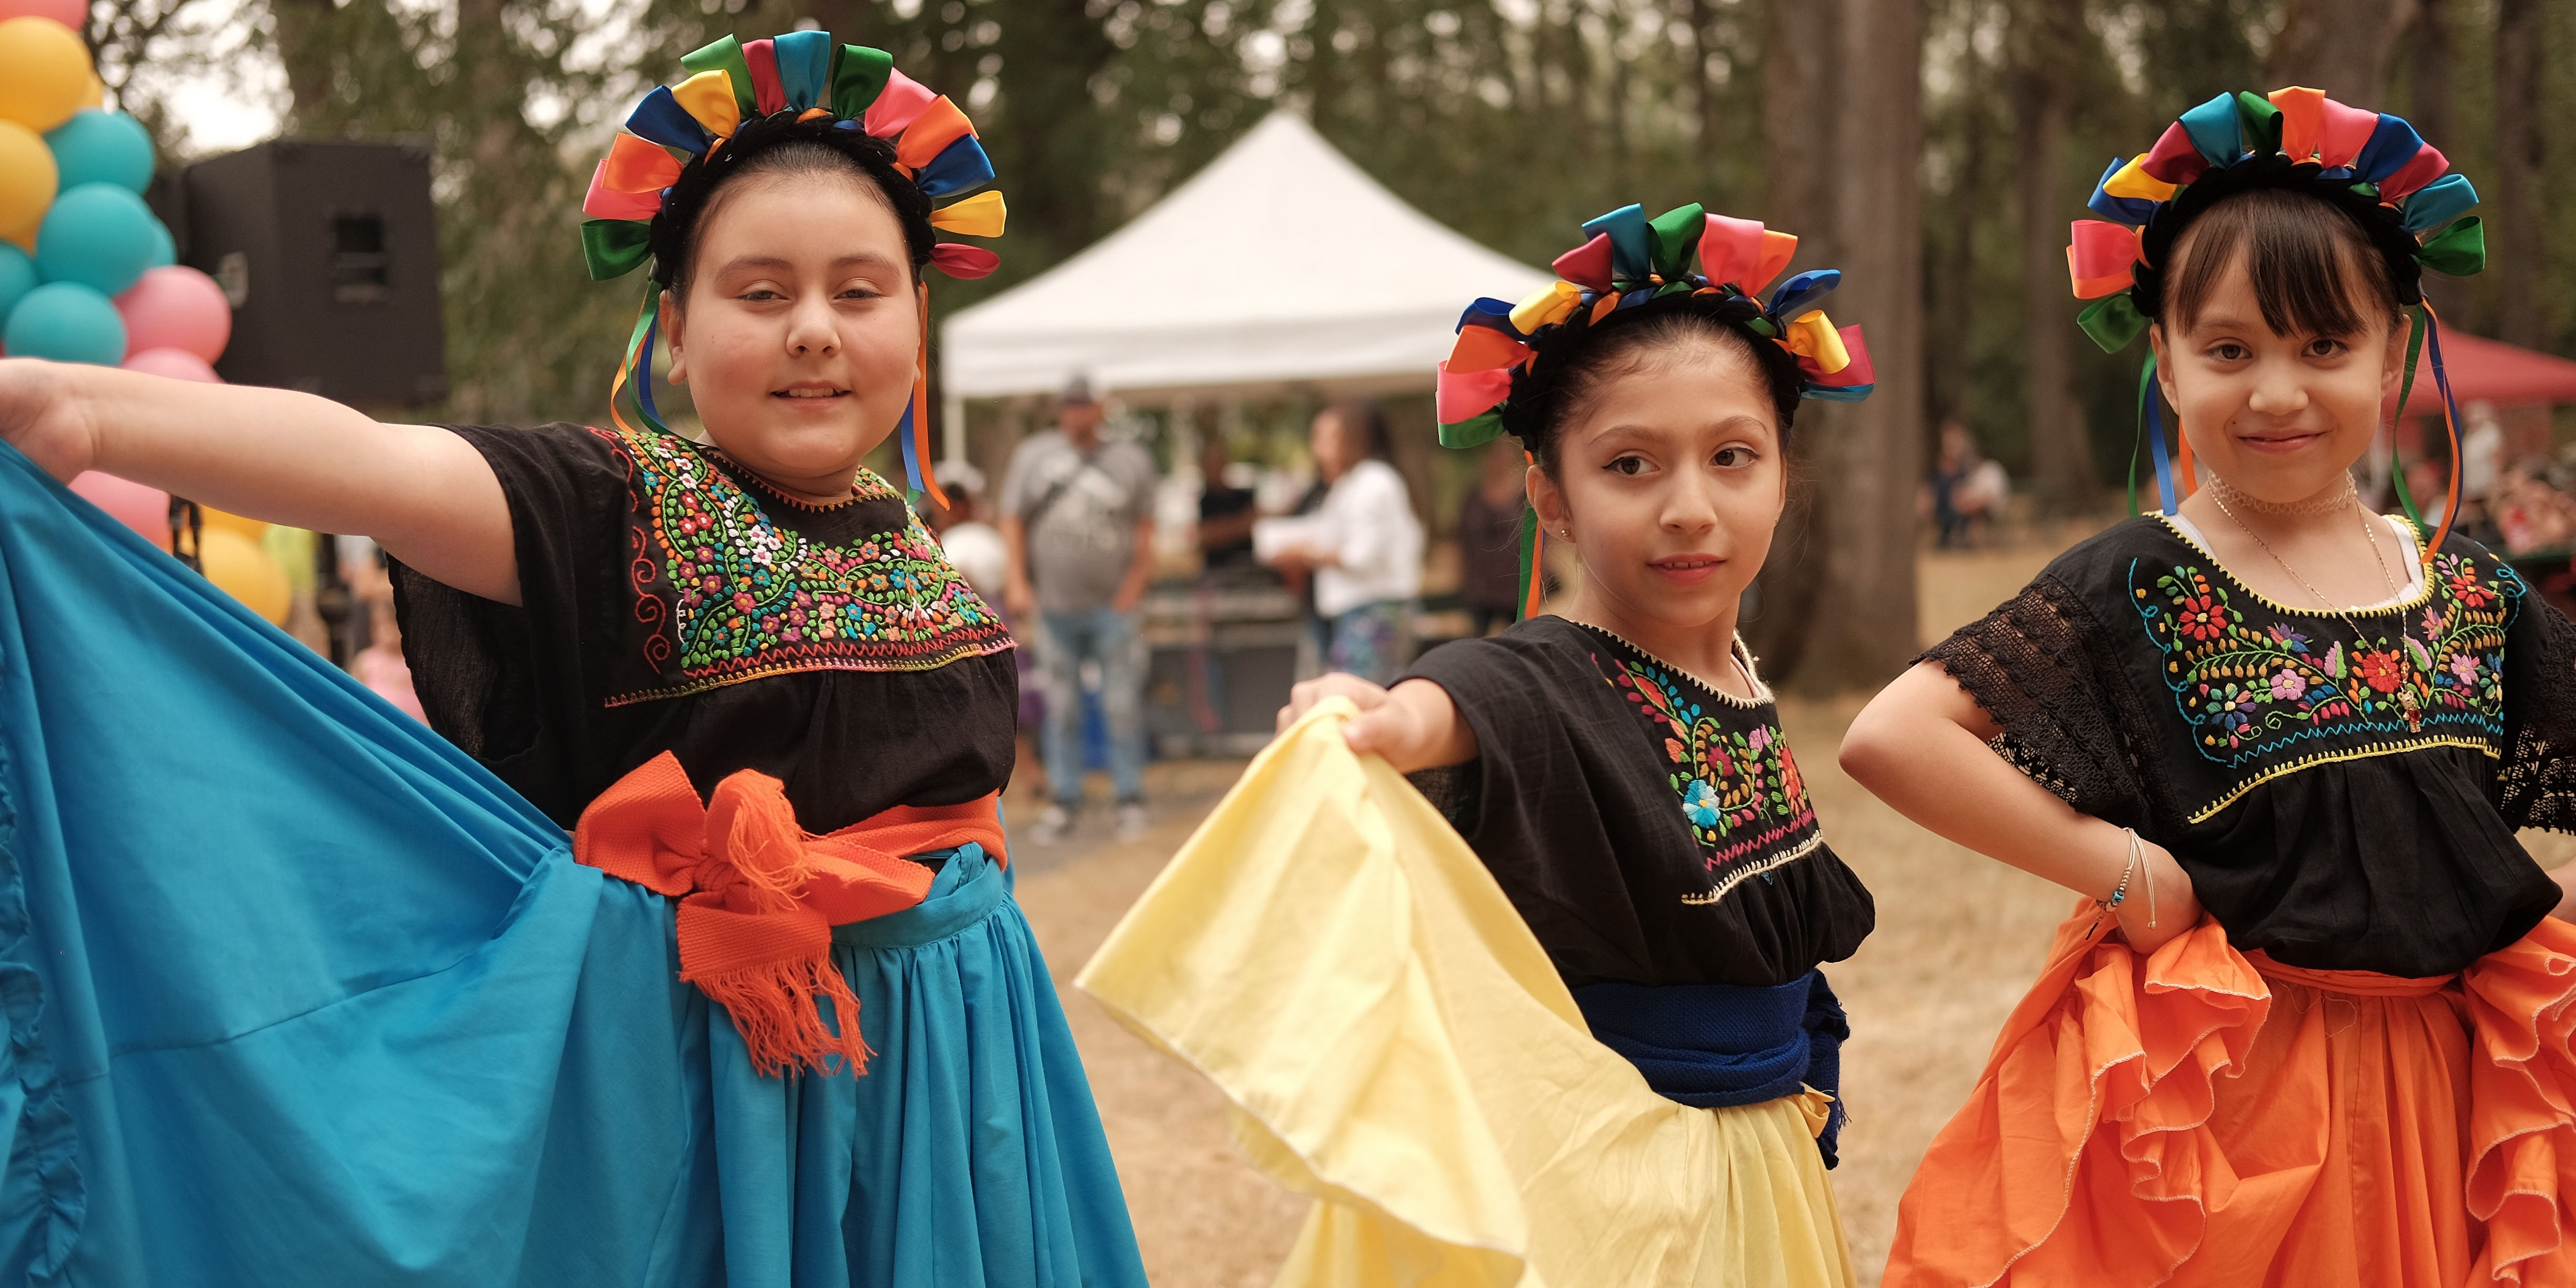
[(759, 895)]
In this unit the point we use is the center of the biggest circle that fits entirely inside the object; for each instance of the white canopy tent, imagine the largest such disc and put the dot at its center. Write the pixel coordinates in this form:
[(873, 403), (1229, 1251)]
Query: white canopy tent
[(1280, 266)]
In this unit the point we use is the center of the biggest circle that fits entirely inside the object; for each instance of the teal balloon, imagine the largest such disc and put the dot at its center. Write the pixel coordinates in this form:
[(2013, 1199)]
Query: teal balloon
[(66, 322), (164, 251), (17, 277), (98, 235), (101, 147)]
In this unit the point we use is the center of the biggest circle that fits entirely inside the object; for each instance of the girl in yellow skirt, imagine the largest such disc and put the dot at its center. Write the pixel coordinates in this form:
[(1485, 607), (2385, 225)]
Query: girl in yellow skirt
[(1646, 1052), (2311, 1023)]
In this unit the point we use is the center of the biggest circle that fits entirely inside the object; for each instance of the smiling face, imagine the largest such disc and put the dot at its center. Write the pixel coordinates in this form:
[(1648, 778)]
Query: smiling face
[(797, 329), (2279, 347), (1670, 480), (2279, 416)]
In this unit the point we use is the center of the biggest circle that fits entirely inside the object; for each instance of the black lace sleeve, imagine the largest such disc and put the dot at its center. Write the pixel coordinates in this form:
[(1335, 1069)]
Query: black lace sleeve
[(2537, 784), (2038, 666)]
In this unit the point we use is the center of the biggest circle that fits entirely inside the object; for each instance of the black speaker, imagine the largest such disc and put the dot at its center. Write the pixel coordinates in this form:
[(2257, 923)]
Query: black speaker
[(328, 250)]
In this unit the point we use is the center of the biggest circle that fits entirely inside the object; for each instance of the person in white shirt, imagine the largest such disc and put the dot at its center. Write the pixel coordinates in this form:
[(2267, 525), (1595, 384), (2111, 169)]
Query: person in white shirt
[(1364, 545)]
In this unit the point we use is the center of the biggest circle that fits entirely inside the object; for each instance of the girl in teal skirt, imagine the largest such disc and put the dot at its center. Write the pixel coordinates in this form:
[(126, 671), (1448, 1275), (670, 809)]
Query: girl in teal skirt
[(769, 1014)]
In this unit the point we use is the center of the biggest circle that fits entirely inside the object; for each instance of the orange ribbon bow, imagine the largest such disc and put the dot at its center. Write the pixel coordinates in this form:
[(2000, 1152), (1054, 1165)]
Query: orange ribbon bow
[(759, 895)]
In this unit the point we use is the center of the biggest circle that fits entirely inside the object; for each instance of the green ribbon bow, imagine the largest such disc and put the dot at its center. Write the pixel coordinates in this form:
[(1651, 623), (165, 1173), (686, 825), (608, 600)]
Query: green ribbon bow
[(615, 247)]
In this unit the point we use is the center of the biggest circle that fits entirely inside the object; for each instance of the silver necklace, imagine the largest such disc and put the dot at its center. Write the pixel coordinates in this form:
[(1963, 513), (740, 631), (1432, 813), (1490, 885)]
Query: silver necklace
[(2407, 702), (2326, 503)]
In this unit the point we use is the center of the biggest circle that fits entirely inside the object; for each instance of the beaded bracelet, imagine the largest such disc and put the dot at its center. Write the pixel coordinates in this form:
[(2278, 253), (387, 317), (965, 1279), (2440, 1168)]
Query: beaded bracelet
[(2120, 894), (2137, 851)]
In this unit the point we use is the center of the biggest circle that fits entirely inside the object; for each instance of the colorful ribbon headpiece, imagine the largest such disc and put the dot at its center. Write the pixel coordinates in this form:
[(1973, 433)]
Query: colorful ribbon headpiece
[(1628, 262), (2370, 164), (805, 73)]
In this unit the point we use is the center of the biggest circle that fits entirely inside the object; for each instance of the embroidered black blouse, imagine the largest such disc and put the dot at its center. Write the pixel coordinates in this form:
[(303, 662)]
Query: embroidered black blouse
[(1650, 829), (2344, 795), (673, 602)]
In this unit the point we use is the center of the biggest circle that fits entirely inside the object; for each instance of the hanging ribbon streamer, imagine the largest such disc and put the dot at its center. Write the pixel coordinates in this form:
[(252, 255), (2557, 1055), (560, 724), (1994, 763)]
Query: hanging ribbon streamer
[(1533, 546), (2186, 480), (2151, 426), (2450, 424), (2405, 390), (634, 379), (915, 429)]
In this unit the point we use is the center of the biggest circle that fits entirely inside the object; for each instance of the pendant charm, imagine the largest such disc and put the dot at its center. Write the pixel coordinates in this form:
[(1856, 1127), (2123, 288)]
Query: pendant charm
[(2414, 713)]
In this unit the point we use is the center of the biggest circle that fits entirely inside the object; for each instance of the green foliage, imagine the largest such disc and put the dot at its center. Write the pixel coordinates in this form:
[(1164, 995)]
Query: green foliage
[(1511, 120)]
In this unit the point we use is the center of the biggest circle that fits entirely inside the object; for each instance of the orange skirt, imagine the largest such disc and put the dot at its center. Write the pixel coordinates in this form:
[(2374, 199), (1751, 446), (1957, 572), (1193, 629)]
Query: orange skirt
[(2204, 1116)]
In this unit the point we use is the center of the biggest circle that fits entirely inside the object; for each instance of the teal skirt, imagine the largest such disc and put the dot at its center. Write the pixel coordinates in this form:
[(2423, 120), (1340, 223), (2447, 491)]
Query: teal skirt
[(294, 993)]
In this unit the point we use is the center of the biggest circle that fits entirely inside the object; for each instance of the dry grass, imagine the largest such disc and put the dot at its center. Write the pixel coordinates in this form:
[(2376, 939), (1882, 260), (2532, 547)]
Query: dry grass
[(1204, 1217), (1959, 938)]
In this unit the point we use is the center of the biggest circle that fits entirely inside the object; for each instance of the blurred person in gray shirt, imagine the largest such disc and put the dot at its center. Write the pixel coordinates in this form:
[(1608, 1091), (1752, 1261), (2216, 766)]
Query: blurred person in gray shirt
[(1077, 516)]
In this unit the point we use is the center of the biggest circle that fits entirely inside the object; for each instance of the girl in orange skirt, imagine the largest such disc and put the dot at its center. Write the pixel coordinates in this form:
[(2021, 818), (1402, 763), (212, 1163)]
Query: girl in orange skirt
[(2311, 1023)]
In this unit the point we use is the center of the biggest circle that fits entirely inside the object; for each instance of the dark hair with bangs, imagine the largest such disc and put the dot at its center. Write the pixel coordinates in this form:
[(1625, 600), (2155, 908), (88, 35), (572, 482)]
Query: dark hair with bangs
[(1565, 382), (2314, 269), (783, 146)]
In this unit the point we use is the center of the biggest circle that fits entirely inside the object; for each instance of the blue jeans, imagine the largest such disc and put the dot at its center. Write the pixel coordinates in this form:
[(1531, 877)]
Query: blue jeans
[(1363, 641), (1108, 637)]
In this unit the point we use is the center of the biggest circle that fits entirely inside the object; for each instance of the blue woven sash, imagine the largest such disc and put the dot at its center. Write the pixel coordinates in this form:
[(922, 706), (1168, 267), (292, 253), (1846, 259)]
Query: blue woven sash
[(1717, 1045)]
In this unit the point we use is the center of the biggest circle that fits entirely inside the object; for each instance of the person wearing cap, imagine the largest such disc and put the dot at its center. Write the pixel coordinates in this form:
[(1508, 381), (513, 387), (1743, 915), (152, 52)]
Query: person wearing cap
[(1077, 513)]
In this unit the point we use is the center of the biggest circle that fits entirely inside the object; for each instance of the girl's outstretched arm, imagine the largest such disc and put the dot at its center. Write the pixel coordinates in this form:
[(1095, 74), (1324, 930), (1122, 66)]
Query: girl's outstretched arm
[(424, 494), (1920, 745), (1415, 725)]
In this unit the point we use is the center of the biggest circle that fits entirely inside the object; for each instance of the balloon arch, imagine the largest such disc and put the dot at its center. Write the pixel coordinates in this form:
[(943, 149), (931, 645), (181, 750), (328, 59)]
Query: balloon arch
[(87, 271)]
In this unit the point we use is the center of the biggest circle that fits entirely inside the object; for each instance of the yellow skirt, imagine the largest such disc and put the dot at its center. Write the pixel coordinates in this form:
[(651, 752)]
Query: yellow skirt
[(1394, 1042)]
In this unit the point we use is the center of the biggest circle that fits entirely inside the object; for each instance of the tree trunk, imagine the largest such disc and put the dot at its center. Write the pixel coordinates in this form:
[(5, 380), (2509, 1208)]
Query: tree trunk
[(1614, 103), (2340, 46), (2516, 226), (1702, 17), (1050, 142), (2432, 92), (305, 54), (2047, 39), (2432, 105), (1581, 116), (1870, 453), (1951, 310), (1798, 112)]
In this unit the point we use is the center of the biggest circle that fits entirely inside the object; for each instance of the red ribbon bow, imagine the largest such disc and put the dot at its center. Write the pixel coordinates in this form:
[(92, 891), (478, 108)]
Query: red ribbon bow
[(759, 895)]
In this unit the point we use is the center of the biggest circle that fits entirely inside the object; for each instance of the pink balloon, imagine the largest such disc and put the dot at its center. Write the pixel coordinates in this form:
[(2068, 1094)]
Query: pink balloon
[(71, 13), (178, 364), (144, 509), (176, 307)]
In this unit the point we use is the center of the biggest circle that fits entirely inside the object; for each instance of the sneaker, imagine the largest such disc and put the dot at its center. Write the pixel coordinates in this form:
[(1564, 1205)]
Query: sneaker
[(1132, 821), (1053, 825)]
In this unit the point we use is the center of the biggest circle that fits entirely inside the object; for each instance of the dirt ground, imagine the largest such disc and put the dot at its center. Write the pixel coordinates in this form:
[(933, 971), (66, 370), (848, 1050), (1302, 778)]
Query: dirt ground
[(1959, 938)]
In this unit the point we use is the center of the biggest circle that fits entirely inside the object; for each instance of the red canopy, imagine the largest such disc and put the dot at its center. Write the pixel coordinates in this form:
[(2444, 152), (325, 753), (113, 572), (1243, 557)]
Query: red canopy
[(2491, 371)]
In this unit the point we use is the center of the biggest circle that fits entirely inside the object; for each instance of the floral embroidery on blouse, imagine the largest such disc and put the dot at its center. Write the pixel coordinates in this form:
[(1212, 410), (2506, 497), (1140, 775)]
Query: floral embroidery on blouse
[(1739, 788), (727, 595), (2275, 692)]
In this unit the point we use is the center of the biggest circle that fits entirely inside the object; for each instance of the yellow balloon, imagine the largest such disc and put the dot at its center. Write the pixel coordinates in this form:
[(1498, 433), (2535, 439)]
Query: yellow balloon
[(44, 72), (27, 179), (239, 568), (96, 94), (292, 548), (255, 530)]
